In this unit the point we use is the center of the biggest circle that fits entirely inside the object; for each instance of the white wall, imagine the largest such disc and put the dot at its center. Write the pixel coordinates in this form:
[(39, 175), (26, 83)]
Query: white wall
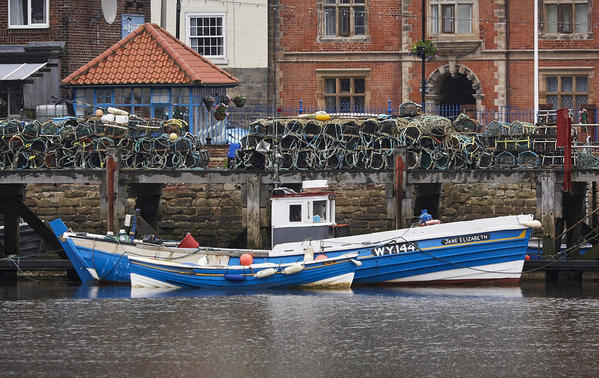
[(246, 27)]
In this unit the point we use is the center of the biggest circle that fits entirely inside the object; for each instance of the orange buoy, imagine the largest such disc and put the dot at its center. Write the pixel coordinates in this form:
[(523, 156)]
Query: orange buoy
[(322, 256), (246, 259)]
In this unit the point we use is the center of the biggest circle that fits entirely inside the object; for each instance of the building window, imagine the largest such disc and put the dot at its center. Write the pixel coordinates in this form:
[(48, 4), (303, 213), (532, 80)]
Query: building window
[(345, 94), (451, 16), (28, 13), (566, 16), (344, 18), (566, 91), (206, 34)]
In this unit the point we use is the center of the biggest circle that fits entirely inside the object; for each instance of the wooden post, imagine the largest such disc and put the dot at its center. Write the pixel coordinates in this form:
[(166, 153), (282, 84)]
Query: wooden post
[(112, 189), (11, 194), (549, 209), (254, 236), (400, 184)]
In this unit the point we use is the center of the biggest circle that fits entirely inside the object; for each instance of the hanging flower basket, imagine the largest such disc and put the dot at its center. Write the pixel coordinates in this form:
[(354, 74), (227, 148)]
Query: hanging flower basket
[(220, 112), (424, 48), (225, 99), (239, 101), (208, 102)]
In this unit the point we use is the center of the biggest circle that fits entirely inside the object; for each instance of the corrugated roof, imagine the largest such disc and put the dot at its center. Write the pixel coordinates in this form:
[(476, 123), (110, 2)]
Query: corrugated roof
[(19, 71), (149, 55)]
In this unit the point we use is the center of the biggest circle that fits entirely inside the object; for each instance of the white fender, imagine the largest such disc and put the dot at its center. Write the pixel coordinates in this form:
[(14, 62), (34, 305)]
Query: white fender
[(293, 268), (265, 273), (356, 262), (532, 224)]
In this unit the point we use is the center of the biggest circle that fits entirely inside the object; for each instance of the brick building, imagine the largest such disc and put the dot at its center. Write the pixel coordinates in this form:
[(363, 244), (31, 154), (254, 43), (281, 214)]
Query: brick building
[(348, 53), (53, 38)]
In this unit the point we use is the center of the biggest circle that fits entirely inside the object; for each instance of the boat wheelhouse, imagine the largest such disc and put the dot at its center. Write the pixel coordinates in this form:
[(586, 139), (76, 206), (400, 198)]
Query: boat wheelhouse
[(307, 215)]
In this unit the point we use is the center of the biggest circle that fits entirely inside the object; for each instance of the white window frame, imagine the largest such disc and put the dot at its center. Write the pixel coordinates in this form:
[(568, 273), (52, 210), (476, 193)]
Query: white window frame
[(436, 24), (222, 59), (29, 25)]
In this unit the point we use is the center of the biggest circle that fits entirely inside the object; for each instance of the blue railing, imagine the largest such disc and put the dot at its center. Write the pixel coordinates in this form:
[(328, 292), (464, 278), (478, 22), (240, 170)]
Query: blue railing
[(239, 119)]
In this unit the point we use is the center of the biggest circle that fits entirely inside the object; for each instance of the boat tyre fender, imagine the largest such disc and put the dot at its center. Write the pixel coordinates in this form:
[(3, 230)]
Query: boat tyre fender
[(234, 277), (265, 273), (430, 222), (294, 268)]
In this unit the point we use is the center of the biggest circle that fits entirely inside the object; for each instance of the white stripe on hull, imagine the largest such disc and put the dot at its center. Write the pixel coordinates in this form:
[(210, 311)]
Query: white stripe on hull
[(341, 281), (143, 281), (500, 271)]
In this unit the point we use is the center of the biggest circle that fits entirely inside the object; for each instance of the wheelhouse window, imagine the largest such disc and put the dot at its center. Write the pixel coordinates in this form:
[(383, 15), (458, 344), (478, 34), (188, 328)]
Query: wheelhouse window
[(345, 94), (319, 209), (295, 213), (344, 18), (566, 16), (206, 34), (451, 16), (566, 91), (28, 13)]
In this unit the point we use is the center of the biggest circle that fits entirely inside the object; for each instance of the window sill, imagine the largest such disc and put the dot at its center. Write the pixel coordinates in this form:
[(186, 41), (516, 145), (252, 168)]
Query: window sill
[(361, 38), (217, 59), (458, 45), (22, 27), (577, 36)]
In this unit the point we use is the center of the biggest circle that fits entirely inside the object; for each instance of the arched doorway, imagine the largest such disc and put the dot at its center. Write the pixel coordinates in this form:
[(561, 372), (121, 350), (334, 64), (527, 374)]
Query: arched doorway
[(455, 88)]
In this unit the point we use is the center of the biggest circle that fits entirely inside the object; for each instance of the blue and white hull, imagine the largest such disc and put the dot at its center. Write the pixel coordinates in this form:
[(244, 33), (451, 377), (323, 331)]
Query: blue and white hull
[(335, 272), (488, 249)]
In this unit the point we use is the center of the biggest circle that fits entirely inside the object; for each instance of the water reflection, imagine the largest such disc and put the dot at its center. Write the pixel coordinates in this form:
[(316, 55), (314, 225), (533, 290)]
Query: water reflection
[(79, 330)]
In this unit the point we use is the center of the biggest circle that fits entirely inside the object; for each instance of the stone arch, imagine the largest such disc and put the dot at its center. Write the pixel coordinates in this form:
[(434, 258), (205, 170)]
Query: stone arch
[(437, 77)]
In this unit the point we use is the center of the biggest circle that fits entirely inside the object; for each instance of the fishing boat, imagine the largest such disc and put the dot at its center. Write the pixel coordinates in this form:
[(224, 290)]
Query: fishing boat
[(304, 227), (337, 272)]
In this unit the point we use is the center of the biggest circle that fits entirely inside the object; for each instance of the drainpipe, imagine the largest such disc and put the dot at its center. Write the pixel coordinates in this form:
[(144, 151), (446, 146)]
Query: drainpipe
[(178, 18), (163, 14), (507, 52)]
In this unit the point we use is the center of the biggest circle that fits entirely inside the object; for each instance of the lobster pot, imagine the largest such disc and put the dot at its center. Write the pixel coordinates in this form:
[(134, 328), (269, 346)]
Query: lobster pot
[(521, 128), (426, 160), (304, 159), (463, 124), (411, 135), (312, 130), (294, 127), (388, 127), (412, 159), (289, 142), (458, 161), (286, 161), (333, 162), (410, 109), (496, 128), (333, 130), (528, 159), (442, 161), (427, 143), (505, 160), (484, 160), (376, 160)]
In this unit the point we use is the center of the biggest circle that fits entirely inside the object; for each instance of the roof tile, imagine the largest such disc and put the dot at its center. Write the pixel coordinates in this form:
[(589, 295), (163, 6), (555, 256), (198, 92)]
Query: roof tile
[(149, 55)]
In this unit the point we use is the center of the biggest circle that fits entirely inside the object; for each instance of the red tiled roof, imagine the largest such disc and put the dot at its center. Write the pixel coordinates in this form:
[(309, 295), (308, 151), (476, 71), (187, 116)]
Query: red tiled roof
[(149, 55)]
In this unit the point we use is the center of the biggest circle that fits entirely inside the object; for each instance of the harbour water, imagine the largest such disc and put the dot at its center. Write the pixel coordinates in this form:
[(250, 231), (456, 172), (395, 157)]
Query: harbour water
[(58, 328)]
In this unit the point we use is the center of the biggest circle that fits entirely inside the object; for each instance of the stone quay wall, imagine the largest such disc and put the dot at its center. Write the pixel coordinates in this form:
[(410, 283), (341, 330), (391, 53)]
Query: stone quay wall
[(214, 213)]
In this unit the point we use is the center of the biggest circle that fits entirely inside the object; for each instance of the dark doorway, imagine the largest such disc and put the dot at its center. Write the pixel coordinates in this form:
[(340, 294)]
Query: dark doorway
[(456, 91)]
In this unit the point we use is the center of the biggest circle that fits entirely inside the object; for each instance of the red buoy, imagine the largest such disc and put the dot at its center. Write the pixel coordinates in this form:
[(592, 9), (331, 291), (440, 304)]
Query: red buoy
[(322, 256), (246, 259), (188, 242), (527, 257)]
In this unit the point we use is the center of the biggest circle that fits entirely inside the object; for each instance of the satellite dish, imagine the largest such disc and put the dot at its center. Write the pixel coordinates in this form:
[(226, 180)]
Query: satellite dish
[(109, 10)]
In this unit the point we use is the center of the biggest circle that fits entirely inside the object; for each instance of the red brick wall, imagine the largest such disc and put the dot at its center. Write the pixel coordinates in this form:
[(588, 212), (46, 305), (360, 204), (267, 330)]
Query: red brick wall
[(76, 23), (298, 32)]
